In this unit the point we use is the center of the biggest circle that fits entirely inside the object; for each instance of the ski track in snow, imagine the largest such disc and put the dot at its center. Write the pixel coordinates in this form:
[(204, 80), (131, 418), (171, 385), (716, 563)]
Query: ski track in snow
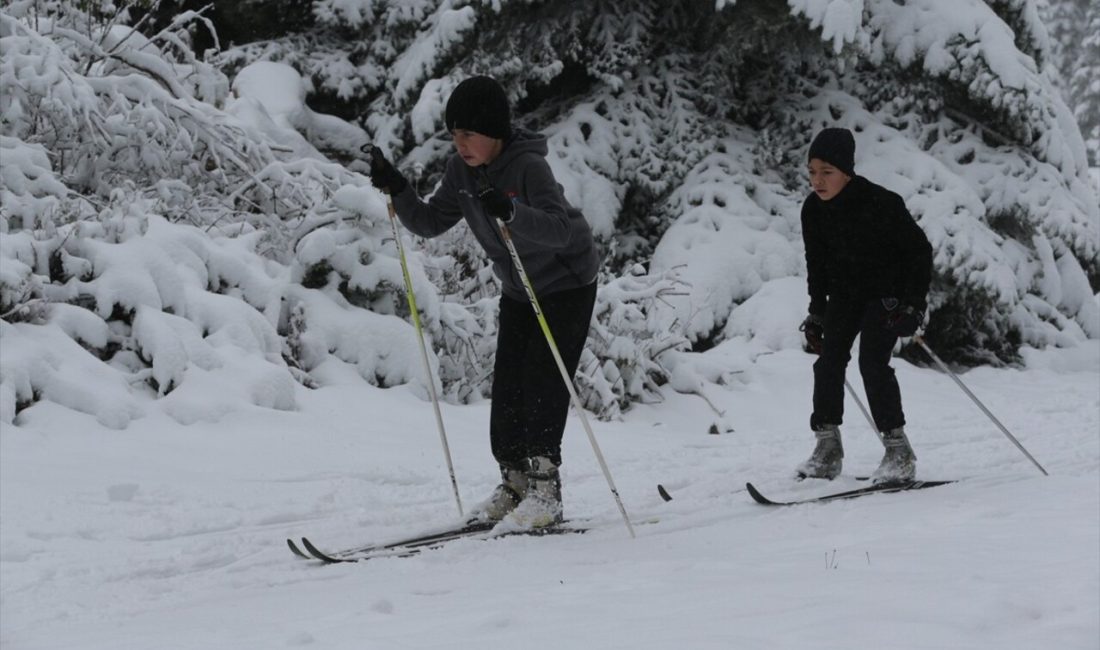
[(165, 536)]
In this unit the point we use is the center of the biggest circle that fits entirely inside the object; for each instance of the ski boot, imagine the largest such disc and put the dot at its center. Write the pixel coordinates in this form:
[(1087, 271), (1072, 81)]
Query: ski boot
[(899, 464), (828, 456), (505, 497), (541, 506)]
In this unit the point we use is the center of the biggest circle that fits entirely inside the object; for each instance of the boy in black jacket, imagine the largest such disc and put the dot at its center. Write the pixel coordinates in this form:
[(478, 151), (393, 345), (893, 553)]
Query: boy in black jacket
[(868, 268), (500, 173)]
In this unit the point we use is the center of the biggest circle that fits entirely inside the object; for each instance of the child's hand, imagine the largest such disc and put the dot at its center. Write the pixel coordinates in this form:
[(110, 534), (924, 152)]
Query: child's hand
[(384, 175), (904, 321), (814, 329), (497, 204)]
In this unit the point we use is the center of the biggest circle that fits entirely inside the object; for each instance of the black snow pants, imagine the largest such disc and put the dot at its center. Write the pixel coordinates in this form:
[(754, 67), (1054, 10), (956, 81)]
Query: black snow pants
[(530, 400), (844, 319)]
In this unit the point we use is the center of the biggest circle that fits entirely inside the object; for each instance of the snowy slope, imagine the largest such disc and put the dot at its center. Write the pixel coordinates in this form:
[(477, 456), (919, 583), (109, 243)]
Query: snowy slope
[(170, 536)]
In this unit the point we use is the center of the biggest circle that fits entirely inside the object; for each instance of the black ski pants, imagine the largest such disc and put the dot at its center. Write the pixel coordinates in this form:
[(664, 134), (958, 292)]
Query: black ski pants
[(530, 399), (844, 319)]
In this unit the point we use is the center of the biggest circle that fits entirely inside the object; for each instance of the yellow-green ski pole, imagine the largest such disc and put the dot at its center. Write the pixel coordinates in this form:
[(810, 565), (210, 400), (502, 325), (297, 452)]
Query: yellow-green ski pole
[(507, 235), (429, 378)]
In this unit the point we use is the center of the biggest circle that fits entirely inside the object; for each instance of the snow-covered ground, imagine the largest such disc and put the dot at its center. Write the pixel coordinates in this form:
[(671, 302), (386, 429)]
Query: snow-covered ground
[(168, 536)]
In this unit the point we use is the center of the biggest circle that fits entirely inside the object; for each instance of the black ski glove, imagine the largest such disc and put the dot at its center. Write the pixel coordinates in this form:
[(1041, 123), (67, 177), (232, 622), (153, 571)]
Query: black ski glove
[(384, 175), (902, 320), (814, 329), (497, 204)]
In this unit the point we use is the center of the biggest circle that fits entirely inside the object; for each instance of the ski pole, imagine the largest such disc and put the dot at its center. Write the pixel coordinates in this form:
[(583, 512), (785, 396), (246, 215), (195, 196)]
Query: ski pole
[(966, 390), (423, 349), (507, 235), (866, 413)]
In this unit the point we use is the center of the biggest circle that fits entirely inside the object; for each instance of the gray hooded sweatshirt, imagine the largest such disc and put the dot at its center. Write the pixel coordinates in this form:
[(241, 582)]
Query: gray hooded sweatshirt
[(553, 239)]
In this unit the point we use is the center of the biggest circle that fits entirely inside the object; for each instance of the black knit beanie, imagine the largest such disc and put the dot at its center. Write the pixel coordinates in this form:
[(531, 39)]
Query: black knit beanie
[(479, 104), (836, 147)]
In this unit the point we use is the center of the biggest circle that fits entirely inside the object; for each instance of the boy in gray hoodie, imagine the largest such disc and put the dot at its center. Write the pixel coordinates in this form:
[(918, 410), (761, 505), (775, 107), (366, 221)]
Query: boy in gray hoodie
[(500, 172)]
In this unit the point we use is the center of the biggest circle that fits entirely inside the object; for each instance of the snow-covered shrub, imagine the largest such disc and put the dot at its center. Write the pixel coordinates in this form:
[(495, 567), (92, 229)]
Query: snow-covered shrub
[(113, 111), (625, 359), (137, 303), (157, 233)]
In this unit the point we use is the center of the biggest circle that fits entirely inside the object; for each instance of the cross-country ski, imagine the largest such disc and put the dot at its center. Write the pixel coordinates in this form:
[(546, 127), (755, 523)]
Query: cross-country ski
[(417, 545), (884, 488)]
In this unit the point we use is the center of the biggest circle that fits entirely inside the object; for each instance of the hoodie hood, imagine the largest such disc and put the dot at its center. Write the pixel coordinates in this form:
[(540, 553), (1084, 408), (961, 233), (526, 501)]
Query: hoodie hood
[(523, 141)]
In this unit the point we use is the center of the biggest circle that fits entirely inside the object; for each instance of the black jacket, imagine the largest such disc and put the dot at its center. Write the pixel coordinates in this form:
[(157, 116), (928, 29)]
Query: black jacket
[(863, 244)]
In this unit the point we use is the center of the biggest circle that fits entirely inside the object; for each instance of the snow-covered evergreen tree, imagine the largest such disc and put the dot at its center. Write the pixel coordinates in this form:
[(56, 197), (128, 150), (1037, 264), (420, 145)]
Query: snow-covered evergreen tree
[(169, 212), (680, 129), (1075, 52), (1085, 82)]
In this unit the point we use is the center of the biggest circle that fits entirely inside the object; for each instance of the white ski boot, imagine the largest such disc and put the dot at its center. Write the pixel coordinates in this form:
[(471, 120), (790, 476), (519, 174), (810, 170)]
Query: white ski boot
[(505, 497), (541, 506), (899, 463), (828, 456)]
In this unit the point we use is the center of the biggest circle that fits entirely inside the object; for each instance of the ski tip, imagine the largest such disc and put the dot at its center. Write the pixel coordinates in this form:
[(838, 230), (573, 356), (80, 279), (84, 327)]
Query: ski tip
[(663, 492), (297, 551), (756, 495), (318, 554)]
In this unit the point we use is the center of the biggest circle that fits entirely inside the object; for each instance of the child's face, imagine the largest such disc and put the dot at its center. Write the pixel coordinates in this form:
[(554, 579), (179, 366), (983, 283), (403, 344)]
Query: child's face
[(826, 180), (476, 149)]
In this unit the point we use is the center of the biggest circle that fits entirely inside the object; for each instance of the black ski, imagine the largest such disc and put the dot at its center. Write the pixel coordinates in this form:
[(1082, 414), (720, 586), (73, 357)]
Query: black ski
[(798, 477), (882, 488), (444, 534), (415, 545)]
